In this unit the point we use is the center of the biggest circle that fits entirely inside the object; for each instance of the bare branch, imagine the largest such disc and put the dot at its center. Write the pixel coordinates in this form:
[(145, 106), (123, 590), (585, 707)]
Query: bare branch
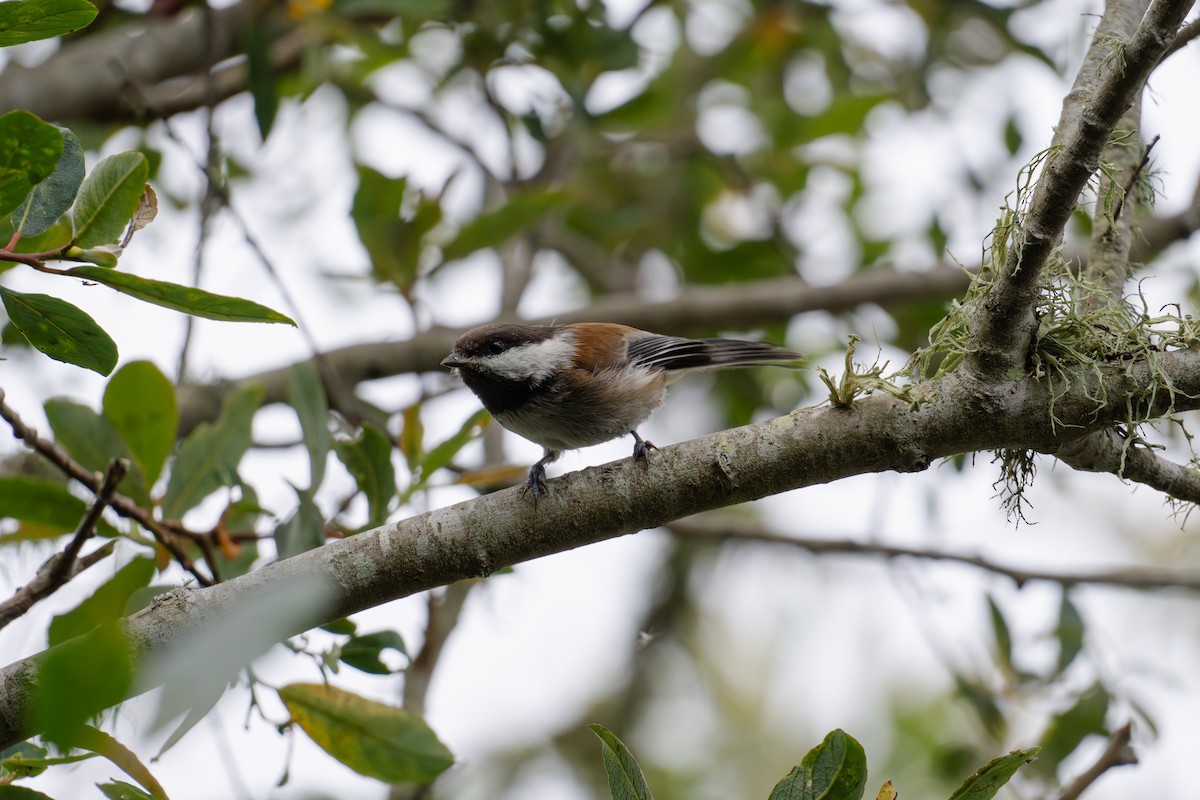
[(119, 502), (1110, 451), (1118, 753), (88, 77), (60, 571), (1113, 73), (42, 586), (746, 530)]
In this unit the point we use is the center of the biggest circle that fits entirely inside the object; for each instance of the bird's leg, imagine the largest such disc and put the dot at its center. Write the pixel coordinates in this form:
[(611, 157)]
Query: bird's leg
[(536, 482), (641, 448)]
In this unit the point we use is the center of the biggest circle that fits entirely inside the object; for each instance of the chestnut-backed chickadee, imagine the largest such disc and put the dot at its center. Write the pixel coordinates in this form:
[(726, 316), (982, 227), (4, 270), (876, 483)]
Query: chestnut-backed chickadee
[(569, 386)]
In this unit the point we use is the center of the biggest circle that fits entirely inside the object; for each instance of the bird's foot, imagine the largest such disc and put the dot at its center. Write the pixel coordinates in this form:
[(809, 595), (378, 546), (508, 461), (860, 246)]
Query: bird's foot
[(535, 484), (641, 448)]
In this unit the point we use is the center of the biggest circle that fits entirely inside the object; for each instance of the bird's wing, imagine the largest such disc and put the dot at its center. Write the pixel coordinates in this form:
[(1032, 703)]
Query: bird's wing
[(675, 353)]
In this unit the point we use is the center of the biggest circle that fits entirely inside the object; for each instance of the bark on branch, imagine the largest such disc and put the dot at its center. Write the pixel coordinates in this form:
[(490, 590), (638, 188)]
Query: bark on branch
[(1113, 74), (809, 446)]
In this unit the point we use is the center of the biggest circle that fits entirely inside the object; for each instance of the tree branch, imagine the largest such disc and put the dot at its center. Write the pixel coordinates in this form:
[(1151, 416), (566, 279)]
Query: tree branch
[(1113, 73), (745, 530), (1117, 754), (120, 503), (1111, 451), (89, 77), (809, 446), (42, 586), (60, 571)]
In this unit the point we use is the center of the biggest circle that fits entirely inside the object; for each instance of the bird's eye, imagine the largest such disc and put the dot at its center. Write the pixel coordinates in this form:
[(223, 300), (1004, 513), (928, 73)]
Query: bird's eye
[(496, 347)]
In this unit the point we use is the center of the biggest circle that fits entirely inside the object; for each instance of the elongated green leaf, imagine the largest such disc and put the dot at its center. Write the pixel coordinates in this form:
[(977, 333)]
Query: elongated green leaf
[(92, 440), (371, 738), (393, 243), (208, 458), (1069, 728), (1003, 637), (11, 792), (106, 604), (29, 151), (307, 396), (31, 761), (29, 20), (51, 198), (444, 452), (187, 299), (121, 790), (44, 508), (60, 330), (261, 76), (989, 778), (497, 227), (78, 679), (836, 769), (303, 530), (140, 403), (108, 197), (369, 460), (625, 778), (1069, 632), (97, 741)]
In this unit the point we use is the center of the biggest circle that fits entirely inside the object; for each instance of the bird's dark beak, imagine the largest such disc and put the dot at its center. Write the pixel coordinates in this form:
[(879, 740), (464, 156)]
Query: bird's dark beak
[(452, 361)]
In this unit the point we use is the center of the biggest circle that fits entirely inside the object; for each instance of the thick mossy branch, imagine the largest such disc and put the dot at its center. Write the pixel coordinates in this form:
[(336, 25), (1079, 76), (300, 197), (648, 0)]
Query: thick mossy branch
[(1003, 325)]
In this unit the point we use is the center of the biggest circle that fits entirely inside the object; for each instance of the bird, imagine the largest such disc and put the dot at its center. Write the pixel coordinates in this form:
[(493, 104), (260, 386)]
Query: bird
[(576, 385)]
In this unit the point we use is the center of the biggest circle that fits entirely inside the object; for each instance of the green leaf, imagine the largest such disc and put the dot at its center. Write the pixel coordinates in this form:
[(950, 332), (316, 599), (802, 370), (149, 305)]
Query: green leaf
[(120, 790), (987, 780), (97, 741), (108, 197), (44, 509), (307, 396), (373, 739), (106, 604), (60, 330), (51, 198), (625, 778), (836, 769), (140, 403), (93, 441), (261, 76), (1069, 633), (1068, 729), (393, 243), (304, 530), (197, 671), (443, 453), (11, 792), (187, 299), (497, 227), (341, 627), (31, 763), (208, 457), (1003, 637), (369, 460), (30, 20), (80, 678), (29, 151), (363, 652)]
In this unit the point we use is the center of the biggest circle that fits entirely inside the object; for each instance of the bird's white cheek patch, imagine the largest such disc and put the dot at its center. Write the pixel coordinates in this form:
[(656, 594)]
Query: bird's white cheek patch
[(534, 362)]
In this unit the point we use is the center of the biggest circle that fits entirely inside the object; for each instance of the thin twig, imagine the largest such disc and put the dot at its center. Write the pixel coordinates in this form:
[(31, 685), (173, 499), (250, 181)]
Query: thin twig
[(1142, 578), (1187, 34), (1132, 184), (42, 587), (120, 503), (60, 571), (1118, 753)]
